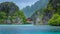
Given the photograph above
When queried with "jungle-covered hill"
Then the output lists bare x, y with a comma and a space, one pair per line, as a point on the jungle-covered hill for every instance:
52, 12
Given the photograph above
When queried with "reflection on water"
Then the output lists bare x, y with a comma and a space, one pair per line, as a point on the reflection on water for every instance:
29, 29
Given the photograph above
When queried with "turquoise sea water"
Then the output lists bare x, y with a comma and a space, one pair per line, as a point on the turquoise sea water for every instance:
29, 29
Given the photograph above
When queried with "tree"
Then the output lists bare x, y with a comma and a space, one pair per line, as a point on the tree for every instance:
55, 20
9, 11
8, 7
21, 15
58, 8
2, 17
50, 7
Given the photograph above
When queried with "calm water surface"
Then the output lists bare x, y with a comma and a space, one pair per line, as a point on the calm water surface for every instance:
29, 29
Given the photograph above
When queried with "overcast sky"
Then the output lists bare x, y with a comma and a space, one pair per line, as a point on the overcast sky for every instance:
21, 3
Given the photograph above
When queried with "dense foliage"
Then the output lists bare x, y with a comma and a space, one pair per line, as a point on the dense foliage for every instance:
8, 7
9, 12
21, 15
55, 20
52, 12
2, 17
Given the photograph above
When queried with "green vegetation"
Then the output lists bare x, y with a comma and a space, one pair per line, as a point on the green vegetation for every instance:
21, 15
52, 12
55, 20
10, 13
50, 7
9, 8
2, 17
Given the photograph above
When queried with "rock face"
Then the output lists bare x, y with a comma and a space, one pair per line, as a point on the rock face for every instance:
50, 10
35, 17
48, 14
31, 9
8, 7
32, 13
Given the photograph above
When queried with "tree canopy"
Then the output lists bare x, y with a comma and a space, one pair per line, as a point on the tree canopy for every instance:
8, 7
9, 11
